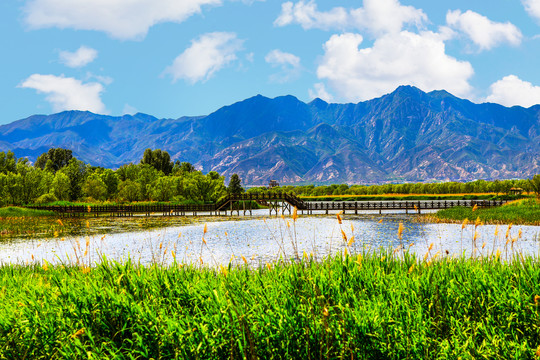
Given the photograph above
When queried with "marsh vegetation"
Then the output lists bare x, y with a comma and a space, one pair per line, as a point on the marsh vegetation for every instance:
370, 305
525, 211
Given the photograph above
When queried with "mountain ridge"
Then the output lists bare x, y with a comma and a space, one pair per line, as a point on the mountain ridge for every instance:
407, 135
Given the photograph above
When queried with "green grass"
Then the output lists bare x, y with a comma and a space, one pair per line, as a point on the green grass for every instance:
13, 211
36, 227
526, 211
379, 307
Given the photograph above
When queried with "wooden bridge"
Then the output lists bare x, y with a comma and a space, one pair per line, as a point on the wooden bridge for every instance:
276, 203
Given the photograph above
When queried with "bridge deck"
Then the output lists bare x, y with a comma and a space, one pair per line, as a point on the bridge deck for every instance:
274, 201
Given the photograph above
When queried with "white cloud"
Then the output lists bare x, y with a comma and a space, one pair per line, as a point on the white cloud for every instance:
307, 15
66, 93
250, 2
532, 7
82, 57
377, 16
289, 64
320, 92
122, 19
404, 58
382, 16
511, 90
482, 31
105, 80
206, 55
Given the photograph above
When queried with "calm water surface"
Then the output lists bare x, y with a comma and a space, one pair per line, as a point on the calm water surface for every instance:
261, 239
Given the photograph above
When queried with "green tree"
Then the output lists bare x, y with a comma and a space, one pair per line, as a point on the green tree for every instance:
128, 172
45, 183
54, 159
160, 160
94, 187
183, 168
235, 186
146, 176
535, 184
204, 188
111, 180
129, 190
11, 188
61, 186
163, 189
76, 172
8, 162
30, 181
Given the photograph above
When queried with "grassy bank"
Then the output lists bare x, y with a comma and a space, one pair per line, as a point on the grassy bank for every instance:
525, 211
370, 307
16, 221
36, 227
13, 211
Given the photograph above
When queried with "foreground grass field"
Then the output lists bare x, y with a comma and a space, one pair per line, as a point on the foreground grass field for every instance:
525, 211
375, 306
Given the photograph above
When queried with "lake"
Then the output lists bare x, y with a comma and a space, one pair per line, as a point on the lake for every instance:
262, 239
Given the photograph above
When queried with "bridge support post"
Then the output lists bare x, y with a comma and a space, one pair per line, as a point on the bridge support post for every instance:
274, 206
285, 207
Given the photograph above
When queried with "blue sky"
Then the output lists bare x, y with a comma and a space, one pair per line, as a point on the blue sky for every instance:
170, 58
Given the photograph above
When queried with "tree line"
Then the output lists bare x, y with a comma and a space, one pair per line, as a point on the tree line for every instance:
477, 186
58, 176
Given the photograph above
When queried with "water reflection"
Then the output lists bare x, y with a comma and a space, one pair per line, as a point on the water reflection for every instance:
262, 240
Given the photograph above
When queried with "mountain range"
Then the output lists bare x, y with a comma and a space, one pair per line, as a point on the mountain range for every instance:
407, 135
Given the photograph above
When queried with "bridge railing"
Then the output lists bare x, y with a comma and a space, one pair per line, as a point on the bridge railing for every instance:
274, 196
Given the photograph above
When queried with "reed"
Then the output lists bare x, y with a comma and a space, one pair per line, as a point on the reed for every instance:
371, 305
375, 304
525, 211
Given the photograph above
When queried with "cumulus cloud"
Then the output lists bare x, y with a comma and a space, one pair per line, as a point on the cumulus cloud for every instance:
65, 93
289, 64
122, 19
511, 90
206, 55
482, 31
382, 16
404, 58
532, 7
376, 16
82, 57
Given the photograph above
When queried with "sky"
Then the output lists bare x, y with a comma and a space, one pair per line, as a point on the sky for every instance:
173, 58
